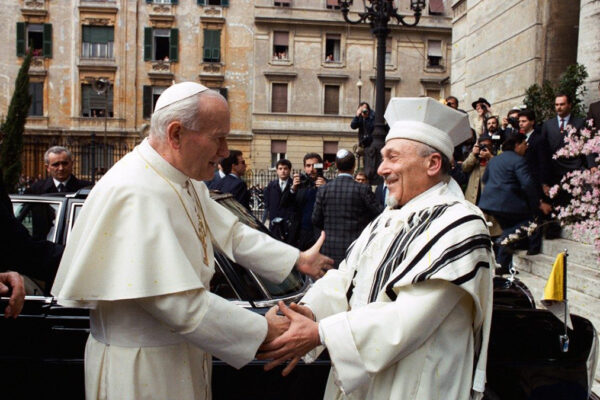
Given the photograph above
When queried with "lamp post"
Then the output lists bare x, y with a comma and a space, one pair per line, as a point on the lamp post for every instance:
378, 14
101, 86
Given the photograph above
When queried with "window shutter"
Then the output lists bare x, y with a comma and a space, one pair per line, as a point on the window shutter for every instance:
174, 44
86, 34
174, 2
436, 7
225, 3
332, 99
148, 1
20, 39
330, 147
279, 97
85, 100
332, 3
200, 2
147, 109
47, 41
278, 146
110, 34
280, 38
207, 44
147, 44
434, 48
216, 50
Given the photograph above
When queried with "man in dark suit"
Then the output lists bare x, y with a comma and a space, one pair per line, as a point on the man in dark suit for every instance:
594, 111
343, 209
234, 167
280, 217
381, 192
59, 164
554, 131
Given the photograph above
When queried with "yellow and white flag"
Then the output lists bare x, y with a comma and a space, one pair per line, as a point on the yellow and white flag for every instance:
554, 295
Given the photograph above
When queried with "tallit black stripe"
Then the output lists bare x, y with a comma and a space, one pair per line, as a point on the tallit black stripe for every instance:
470, 275
389, 288
458, 251
397, 250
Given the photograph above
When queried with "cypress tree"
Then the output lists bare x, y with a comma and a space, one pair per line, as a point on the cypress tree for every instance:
13, 127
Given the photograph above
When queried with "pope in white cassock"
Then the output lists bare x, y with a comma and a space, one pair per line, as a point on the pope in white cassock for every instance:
141, 258
407, 314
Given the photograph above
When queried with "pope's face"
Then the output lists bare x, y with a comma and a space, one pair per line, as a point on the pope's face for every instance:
200, 151
403, 169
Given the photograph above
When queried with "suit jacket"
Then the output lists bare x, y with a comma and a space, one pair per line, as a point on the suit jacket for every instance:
508, 186
380, 195
216, 178
343, 209
555, 140
594, 113
237, 187
302, 202
47, 186
539, 157
273, 194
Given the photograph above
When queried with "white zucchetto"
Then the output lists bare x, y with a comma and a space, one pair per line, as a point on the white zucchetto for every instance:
177, 92
425, 120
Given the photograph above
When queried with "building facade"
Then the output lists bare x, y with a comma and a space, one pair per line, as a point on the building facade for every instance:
289, 70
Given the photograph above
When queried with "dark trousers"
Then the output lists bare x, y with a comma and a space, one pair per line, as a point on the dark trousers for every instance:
509, 224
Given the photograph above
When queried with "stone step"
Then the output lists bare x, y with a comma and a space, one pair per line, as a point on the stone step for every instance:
579, 277
579, 303
580, 253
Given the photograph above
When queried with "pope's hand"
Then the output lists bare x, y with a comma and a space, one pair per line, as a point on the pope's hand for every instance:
313, 263
12, 282
277, 324
301, 337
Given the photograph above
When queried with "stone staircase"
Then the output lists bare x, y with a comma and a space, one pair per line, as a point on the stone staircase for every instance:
583, 278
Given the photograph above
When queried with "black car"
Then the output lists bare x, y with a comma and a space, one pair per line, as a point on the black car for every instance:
43, 348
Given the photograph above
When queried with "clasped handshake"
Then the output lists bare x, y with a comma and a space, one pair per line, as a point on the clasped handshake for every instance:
289, 337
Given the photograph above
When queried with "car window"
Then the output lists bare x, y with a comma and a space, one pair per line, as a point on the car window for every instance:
39, 218
75, 211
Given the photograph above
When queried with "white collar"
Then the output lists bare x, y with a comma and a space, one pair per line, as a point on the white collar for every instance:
150, 155
57, 182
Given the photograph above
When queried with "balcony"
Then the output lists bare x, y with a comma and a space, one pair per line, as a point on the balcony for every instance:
161, 15
34, 8
161, 71
38, 66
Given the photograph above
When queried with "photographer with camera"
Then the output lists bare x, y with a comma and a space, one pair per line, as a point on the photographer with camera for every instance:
475, 165
302, 196
484, 111
364, 121
510, 124
492, 128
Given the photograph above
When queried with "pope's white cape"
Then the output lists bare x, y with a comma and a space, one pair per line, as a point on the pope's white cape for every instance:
134, 258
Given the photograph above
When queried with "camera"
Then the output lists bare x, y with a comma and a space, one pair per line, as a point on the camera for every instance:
483, 147
319, 168
514, 122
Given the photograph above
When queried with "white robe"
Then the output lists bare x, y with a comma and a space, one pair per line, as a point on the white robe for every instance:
135, 260
419, 330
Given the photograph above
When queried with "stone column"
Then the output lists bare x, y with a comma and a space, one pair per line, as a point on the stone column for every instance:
588, 50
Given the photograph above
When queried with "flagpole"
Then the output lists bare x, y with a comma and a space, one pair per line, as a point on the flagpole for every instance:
565, 338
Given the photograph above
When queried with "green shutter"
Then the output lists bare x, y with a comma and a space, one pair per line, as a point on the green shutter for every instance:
110, 34
173, 44
174, 2
147, 111
207, 44
225, 3
216, 51
20, 39
147, 44
148, 1
87, 34
201, 2
47, 47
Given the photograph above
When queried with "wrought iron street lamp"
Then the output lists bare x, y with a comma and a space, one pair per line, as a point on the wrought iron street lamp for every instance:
378, 14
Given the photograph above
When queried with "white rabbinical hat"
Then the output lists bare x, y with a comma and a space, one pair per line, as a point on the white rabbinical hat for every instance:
425, 120
177, 92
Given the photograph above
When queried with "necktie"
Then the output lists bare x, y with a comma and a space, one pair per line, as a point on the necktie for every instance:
562, 124
282, 184
60, 188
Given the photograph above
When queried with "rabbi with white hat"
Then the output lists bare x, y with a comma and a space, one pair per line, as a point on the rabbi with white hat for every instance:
407, 314
140, 257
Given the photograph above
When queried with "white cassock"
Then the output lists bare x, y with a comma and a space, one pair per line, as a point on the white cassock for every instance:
135, 260
416, 325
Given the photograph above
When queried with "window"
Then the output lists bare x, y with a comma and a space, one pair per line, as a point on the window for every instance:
36, 90
332, 48
34, 37
278, 151
223, 3
388, 96
98, 42
104, 158
330, 149
388, 51
93, 104
436, 7
433, 93
151, 95
332, 99
434, 53
279, 97
161, 1
333, 4
280, 45
212, 45
282, 3
161, 44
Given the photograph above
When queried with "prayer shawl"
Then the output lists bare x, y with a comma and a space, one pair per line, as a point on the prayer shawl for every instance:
419, 284
134, 258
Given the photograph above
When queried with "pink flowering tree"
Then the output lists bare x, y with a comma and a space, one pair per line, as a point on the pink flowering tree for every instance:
582, 212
